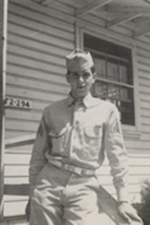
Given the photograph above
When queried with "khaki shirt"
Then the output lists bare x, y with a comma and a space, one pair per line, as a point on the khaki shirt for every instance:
79, 133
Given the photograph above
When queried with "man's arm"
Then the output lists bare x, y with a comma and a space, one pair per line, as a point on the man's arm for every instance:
117, 154
118, 161
38, 159
41, 145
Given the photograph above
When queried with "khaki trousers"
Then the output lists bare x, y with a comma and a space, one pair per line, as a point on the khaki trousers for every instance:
61, 197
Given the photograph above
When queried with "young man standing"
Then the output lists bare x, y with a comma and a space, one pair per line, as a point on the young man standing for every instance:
72, 138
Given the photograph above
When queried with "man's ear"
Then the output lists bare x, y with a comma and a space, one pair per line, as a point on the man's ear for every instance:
68, 77
94, 76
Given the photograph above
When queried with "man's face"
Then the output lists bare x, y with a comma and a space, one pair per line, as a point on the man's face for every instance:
81, 82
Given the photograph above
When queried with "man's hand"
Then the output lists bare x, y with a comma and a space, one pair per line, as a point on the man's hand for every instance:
27, 210
128, 213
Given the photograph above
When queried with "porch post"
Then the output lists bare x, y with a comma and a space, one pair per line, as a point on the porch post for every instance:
3, 35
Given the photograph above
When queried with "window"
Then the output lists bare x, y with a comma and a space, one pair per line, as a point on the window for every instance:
114, 75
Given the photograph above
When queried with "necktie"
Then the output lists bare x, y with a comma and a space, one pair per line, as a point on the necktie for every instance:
79, 105
79, 119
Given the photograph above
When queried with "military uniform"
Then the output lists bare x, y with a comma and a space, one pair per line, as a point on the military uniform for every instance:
69, 147
71, 142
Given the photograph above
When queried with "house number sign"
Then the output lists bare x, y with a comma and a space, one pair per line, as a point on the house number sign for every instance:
18, 103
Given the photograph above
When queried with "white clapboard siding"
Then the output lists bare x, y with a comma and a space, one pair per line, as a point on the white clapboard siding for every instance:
144, 95
143, 66
37, 44
14, 134
34, 64
39, 56
143, 57
146, 136
143, 52
142, 60
16, 172
35, 74
15, 208
22, 23
12, 114
145, 107
37, 36
139, 167
30, 94
145, 88
145, 84
24, 42
18, 125
137, 145
25, 14
62, 13
34, 84
16, 164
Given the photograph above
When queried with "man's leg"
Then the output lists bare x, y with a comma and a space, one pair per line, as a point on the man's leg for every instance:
82, 202
47, 198
42, 214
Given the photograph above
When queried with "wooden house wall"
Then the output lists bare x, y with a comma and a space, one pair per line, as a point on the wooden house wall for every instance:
37, 43
38, 39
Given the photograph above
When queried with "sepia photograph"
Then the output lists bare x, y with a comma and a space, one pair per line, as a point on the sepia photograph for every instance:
74, 112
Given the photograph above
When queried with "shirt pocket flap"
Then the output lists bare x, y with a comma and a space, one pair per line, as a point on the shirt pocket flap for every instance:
94, 131
57, 132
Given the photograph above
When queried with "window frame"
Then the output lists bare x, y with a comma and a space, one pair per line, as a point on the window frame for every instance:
129, 131
116, 61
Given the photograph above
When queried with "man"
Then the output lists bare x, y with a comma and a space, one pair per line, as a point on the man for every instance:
71, 140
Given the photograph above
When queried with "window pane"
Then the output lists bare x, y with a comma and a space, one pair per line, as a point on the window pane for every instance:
112, 71
100, 65
123, 74
127, 113
113, 91
100, 89
124, 93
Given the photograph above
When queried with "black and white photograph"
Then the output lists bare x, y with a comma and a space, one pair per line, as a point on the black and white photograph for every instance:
74, 112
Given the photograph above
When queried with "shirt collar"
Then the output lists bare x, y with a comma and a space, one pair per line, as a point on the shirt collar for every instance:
88, 100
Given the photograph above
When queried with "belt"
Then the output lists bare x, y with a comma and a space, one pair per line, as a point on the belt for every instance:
73, 169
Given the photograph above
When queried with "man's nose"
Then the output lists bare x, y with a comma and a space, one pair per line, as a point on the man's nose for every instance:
81, 80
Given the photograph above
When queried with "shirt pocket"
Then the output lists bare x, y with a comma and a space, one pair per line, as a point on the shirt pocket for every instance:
94, 131
58, 137
93, 139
